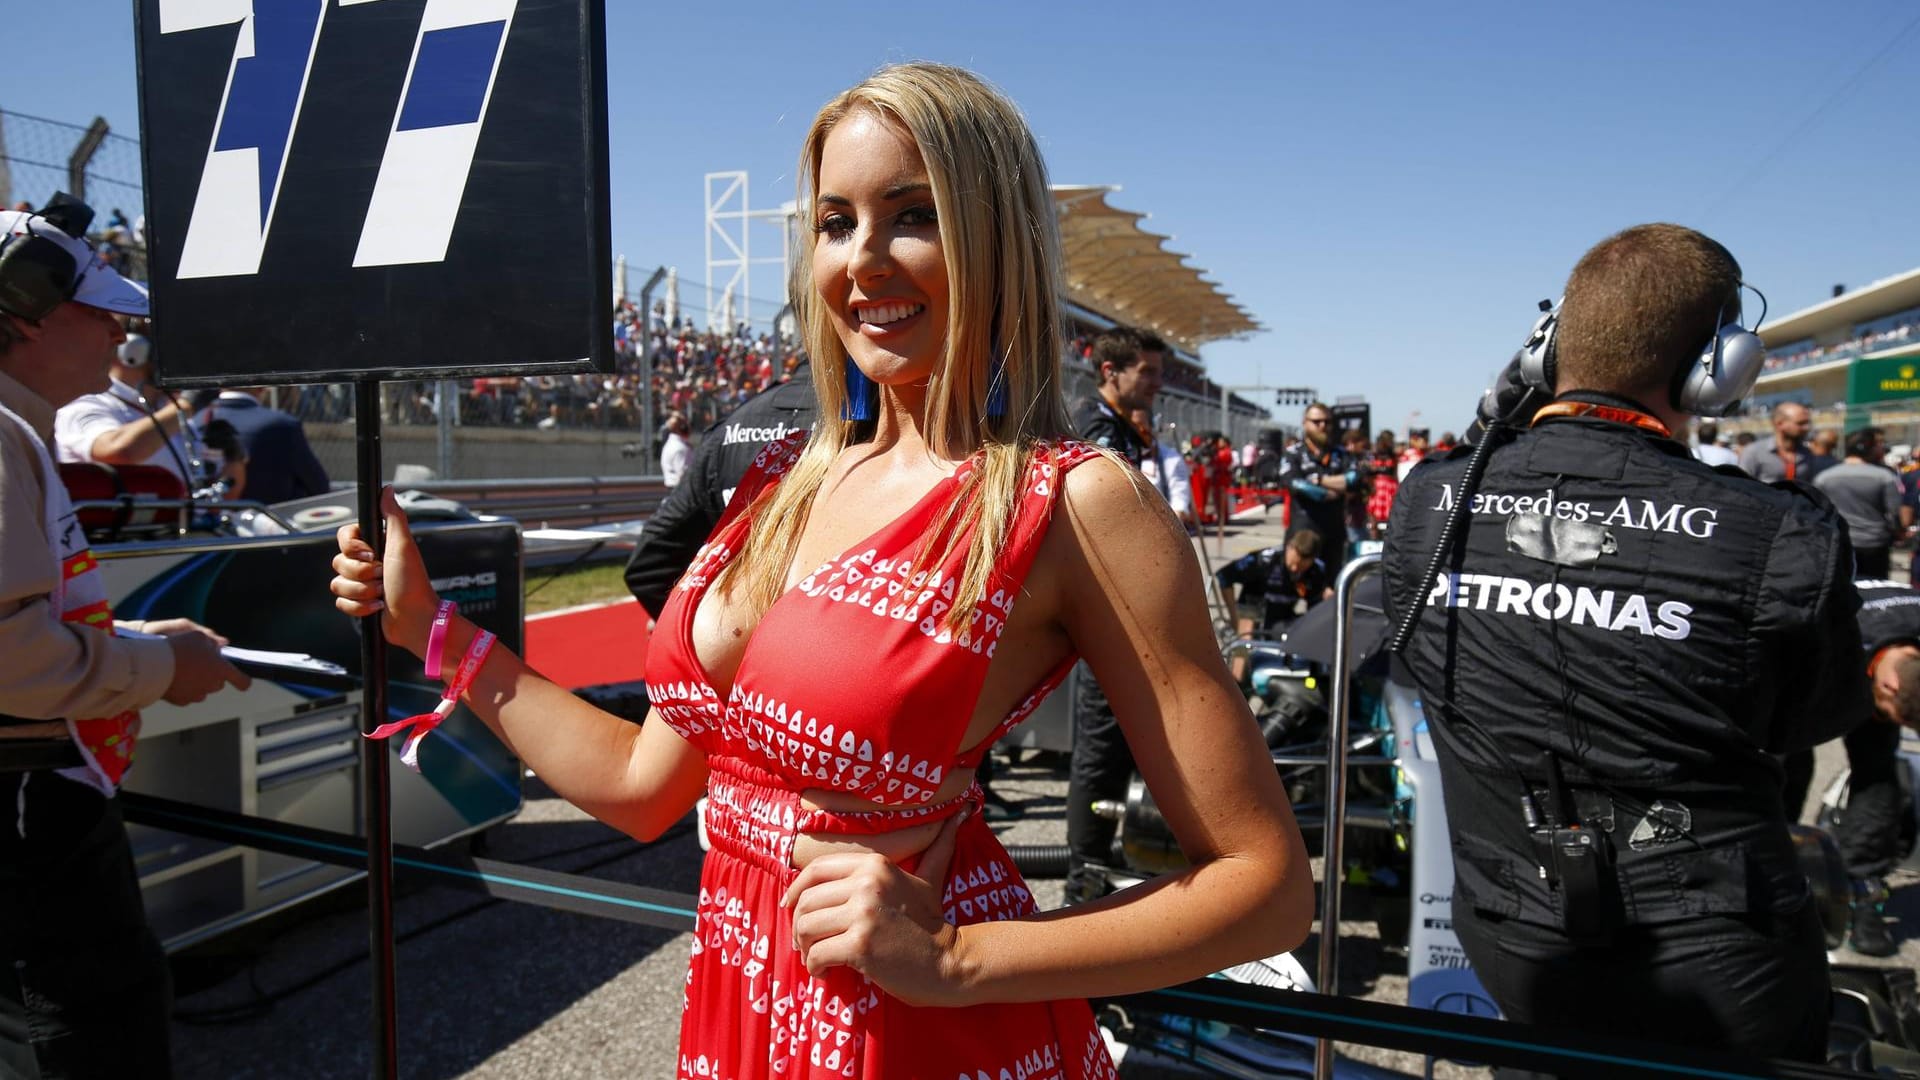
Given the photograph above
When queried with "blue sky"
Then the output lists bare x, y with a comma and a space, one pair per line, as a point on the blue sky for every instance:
1388, 187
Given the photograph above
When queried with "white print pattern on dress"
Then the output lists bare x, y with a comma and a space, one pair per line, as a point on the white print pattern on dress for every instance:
986, 893
892, 588
819, 750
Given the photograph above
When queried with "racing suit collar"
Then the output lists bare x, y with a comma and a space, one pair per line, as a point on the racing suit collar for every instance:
1601, 397
1593, 447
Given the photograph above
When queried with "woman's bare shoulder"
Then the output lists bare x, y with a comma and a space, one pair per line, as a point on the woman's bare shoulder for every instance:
1104, 496
1109, 521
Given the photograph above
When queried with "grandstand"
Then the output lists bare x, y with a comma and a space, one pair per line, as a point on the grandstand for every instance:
1117, 272
1853, 359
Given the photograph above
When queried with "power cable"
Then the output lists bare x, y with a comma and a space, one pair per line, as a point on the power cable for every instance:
1833, 99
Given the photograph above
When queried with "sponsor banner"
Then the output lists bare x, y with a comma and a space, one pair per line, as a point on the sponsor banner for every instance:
1884, 378
1351, 416
375, 188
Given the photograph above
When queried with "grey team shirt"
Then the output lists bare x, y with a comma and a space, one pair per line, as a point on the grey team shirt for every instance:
1868, 496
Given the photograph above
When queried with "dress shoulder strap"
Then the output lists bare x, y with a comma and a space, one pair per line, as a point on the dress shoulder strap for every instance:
1046, 475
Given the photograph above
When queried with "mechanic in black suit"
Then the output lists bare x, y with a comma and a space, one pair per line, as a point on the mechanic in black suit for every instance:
681, 524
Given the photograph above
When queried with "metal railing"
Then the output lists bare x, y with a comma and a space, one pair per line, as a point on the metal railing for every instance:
1332, 854
560, 502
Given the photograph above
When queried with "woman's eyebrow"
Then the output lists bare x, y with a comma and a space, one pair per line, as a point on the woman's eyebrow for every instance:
897, 191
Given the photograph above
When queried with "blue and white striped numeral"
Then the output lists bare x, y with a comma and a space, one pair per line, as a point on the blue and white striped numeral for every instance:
266, 83
423, 174
429, 152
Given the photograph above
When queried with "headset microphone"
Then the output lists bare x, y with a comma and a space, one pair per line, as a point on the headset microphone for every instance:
1538, 358
136, 350
1714, 384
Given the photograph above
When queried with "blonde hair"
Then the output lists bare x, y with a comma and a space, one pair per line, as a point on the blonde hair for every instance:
1002, 248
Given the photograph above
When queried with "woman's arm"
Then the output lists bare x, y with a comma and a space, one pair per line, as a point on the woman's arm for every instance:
1130, 597
639, 779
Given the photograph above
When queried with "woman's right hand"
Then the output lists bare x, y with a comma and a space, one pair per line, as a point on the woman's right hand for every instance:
399, 586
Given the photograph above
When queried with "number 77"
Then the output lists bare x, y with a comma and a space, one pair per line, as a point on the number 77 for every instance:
430, 146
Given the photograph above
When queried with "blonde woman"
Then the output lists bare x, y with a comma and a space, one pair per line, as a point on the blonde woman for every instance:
881, 601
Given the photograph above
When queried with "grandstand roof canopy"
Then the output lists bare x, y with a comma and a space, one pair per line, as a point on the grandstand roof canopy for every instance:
1841, 313
1115, 267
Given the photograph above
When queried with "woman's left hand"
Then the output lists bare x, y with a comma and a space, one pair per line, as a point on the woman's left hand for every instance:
862, 911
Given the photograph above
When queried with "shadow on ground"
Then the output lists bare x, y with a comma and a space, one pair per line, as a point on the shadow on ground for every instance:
474, 975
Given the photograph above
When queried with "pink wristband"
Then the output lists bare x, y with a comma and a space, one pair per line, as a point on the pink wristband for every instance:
470, 665
437, 637
419, 727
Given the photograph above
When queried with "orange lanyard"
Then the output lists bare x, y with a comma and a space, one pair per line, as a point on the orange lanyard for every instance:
1630, 417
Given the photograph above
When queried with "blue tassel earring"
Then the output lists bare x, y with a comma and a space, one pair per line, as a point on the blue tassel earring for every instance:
996, 384
860, 394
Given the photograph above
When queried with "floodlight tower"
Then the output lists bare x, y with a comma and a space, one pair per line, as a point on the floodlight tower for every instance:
730, 219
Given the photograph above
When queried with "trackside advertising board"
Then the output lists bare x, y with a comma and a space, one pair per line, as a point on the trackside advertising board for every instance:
375, 188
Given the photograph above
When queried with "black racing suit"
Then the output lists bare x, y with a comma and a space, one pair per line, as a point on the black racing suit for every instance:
1102, 764
1315, 507
684, 519
1657, 631
1271, 591
1869, 831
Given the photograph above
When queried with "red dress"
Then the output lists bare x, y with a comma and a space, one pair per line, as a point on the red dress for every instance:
852, 683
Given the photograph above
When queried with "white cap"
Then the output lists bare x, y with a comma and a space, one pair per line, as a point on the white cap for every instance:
99, 285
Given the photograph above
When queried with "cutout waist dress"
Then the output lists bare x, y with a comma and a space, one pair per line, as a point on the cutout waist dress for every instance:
853, 682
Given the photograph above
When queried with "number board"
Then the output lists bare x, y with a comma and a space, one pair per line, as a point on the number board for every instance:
347, 189
1351, 416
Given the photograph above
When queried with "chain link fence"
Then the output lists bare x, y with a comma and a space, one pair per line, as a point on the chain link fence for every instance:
39, 157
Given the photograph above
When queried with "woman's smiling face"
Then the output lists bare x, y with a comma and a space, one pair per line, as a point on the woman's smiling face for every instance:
877, 262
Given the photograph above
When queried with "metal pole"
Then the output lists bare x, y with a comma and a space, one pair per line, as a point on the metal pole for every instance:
446, 400
6, 164
376, 805
1333, 864
82, 156
646, 369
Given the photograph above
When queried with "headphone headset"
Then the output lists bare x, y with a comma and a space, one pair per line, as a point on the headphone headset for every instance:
136, 350
1712, 385
38, 274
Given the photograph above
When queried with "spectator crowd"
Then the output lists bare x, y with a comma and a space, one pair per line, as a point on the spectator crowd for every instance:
1883, 333
701, 375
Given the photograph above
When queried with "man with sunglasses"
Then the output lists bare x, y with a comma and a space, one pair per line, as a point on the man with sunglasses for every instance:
84, 990
1318, 475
